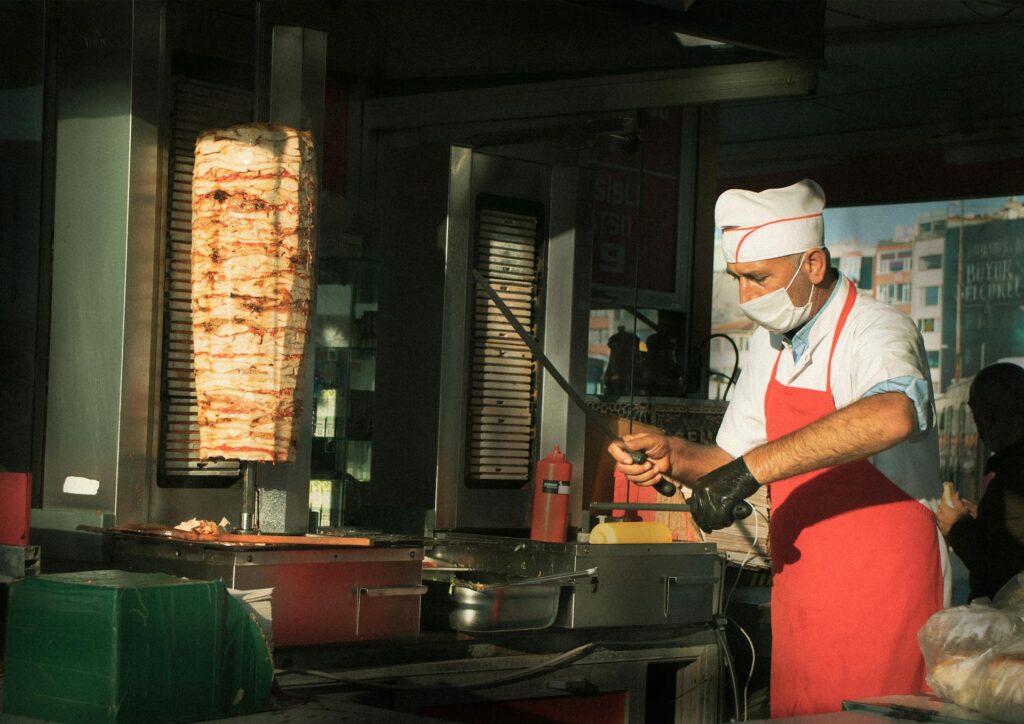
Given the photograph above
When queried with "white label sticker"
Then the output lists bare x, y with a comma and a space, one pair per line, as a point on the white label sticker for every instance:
81, 486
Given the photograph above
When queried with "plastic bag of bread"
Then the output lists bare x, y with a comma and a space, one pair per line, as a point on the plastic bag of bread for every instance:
974, 656
996, 684
964, 632
1011, 595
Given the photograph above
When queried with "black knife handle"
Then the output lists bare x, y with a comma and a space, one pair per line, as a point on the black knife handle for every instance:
742, 510
666, 488
663, 486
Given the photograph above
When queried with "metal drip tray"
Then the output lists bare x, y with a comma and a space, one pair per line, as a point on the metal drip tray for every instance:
637, 584
474, 601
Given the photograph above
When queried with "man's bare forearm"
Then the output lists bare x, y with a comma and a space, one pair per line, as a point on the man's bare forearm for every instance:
864, 428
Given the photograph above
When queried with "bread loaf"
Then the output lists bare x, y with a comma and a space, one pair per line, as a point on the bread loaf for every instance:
948, 490
992, 683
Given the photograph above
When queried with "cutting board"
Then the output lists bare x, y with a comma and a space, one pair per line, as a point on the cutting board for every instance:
255, 539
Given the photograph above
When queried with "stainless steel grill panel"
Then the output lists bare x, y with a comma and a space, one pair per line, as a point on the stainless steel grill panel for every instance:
503, 372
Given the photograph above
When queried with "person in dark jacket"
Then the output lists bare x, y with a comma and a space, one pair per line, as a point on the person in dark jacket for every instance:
989, 537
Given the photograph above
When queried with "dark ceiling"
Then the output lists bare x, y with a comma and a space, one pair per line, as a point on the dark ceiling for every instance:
941, 77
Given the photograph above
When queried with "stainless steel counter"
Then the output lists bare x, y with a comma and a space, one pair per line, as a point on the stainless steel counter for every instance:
635, 584
321, 595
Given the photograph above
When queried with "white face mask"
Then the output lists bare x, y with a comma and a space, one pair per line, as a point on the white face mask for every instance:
775, 311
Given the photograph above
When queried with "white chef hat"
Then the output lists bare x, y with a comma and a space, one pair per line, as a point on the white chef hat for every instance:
771, 223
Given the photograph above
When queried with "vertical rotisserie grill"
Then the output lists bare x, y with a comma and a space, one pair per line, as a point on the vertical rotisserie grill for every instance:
252, 227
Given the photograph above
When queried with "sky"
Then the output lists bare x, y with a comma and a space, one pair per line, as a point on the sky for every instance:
868, 225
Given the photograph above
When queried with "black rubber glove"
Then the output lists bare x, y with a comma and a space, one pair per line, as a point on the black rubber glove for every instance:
718, 497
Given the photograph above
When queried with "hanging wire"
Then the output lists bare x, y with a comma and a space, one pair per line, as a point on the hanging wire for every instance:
636, 284
635, 342
731, 379
997, 16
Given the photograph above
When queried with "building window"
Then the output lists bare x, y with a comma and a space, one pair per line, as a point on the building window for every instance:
926, 325
894, 293
930, 296
932, 228
931, 261
891, 262
933, 358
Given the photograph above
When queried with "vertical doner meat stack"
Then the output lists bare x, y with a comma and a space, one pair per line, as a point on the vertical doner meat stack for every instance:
253, 193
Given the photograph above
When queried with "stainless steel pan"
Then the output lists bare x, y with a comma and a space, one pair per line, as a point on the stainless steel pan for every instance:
518, 604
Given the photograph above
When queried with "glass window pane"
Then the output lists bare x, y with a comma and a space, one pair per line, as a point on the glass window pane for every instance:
653, 337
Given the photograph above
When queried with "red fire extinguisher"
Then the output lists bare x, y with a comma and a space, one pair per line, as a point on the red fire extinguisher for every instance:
551, 498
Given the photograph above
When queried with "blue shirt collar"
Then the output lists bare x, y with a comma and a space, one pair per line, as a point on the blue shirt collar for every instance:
802, 338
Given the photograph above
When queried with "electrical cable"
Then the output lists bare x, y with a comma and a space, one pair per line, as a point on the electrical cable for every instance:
524, 673
607, 643
730, 666
636, 280
634, 350
725, 608
753, 661
1006, 10
750, 554
735, 364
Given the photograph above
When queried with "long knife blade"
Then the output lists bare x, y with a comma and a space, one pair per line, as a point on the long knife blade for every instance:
742, 509
538, 353
534, 346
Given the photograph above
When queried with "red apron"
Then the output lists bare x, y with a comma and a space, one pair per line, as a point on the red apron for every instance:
855, 565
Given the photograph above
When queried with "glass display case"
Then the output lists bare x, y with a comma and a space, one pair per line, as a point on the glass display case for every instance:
344, 353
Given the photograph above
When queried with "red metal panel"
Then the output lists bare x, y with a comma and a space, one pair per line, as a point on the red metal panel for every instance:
15, 508
316, 603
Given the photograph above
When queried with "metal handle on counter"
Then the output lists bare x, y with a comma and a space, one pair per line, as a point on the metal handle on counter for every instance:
678, 507
742, 509
588, 572
382, 592
674, 507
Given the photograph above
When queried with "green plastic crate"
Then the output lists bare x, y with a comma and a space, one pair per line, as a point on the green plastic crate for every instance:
114, 646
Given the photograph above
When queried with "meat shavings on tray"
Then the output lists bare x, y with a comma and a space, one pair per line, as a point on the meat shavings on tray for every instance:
206, 527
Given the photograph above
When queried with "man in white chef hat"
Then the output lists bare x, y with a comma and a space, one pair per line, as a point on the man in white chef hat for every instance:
835, 413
